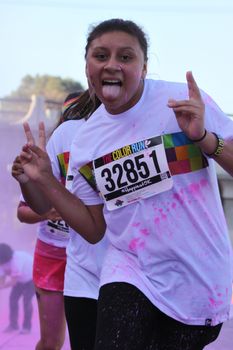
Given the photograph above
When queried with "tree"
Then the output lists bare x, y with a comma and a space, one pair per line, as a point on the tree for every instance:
51, 87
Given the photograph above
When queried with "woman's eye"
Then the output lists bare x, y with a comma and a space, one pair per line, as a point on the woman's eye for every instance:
125, 58
100, 56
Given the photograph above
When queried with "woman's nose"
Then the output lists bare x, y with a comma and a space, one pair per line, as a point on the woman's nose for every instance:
112, 64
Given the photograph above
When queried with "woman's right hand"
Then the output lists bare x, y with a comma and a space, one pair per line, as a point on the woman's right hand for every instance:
17, 168
17, 171
34, 159
53, 215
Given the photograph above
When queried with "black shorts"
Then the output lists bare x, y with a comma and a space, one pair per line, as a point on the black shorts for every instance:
127, 320
81, 316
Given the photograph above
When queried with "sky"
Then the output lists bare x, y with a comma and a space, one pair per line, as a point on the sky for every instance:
49, 36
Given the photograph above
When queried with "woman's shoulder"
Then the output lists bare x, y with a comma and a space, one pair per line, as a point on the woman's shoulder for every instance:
165, 85
163, 90
66, 130
67, 126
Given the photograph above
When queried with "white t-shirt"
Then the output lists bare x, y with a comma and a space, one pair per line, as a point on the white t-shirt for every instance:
56, 232
84, 260
20, 267
53, 232
173, 245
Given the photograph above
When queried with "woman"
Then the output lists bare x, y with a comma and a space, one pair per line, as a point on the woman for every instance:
49, 261
151, 146
83, 263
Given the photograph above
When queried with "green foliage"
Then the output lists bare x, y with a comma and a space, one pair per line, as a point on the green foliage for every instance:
51, 87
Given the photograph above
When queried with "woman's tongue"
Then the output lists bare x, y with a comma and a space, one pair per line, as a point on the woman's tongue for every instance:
111, 91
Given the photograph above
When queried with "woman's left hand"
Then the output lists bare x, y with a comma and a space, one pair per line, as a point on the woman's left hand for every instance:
190, 113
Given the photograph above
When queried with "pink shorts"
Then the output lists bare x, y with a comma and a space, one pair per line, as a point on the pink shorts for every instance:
49, 266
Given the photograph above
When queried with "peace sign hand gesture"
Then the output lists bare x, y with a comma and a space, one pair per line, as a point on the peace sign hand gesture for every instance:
41, 135
190, 113
34, 159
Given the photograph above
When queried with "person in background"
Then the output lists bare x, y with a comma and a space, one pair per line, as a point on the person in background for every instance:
84, 261
68, 104
16, 273
49, 262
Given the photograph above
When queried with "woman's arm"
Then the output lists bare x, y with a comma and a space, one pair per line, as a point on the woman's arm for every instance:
6, 282
190, 115
31, 193
27, 215
225, 159
88, 221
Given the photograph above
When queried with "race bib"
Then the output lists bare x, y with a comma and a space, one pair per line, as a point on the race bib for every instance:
57, 229
133, 172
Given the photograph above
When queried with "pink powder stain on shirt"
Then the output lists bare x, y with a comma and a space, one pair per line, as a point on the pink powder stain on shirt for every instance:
145, 231
194, 189
157, 220
162, 227
204, 183
114, 269
163, 216
120, 268
215, 303
177, 196
136, 224
136, 243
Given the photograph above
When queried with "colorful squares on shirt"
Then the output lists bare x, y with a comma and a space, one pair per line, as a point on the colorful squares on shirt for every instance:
87, 172
171, 154
180, 167
183, 156
63, 160
181, 152
175, 140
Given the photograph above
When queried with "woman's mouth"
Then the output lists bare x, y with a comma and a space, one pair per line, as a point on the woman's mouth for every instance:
111, 88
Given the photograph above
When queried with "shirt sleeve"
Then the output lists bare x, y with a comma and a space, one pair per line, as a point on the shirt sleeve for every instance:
215, 119
52, 153
82, 189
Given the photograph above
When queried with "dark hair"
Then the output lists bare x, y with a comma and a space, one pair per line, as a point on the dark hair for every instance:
6, 253
73, 95
77, 105
121, 25
69, 98
85, 104
80, 107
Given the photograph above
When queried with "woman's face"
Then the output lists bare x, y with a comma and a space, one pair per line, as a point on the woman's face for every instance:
115, 68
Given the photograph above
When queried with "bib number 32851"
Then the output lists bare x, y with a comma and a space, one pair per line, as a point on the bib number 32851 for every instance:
133, 172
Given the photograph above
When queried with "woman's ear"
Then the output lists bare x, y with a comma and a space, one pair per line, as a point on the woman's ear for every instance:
144, 71
86, 71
